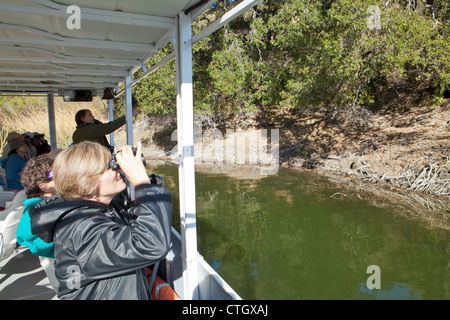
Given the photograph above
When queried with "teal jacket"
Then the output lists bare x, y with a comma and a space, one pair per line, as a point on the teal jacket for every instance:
24, 236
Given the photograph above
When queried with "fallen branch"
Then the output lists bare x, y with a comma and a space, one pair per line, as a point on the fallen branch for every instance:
422, 175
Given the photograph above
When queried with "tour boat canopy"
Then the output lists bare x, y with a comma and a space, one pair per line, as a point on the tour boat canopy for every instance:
49, 47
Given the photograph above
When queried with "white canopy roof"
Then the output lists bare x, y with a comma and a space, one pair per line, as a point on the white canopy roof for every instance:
43, 50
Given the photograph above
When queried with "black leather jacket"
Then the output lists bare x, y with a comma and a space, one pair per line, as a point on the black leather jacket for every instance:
101, 250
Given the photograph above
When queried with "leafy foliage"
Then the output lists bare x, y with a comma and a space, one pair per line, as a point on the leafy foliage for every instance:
301, 53
157, 93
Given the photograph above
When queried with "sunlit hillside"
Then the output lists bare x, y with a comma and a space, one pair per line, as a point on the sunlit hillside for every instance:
22, 114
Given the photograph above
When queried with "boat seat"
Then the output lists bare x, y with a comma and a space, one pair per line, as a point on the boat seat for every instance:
6, 196
8, 230
2, 178
48, 264
15, 202
9, 221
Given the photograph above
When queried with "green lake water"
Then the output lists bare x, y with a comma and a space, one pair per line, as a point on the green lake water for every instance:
291, 236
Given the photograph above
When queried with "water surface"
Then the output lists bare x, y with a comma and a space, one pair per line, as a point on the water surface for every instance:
295, 235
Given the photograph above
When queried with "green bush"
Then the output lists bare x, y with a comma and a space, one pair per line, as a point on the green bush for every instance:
299, 53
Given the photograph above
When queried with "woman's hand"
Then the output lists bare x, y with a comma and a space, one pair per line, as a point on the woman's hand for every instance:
132, 165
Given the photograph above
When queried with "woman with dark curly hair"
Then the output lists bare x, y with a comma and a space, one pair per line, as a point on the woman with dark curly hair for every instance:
37, 177
37, 180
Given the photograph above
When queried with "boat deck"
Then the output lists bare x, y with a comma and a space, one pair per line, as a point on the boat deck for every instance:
23, 278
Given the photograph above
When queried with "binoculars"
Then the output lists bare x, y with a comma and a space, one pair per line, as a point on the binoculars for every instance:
115, 165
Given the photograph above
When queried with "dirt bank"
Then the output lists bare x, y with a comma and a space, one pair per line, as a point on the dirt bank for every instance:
401, 154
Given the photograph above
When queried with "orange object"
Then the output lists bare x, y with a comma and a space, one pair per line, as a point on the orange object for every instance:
161, 290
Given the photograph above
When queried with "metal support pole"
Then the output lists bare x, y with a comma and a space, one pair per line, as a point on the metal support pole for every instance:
129, 121
186, 169
111, 118
51, 120
129, 110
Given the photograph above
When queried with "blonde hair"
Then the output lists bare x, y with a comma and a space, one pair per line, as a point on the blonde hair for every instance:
77, 170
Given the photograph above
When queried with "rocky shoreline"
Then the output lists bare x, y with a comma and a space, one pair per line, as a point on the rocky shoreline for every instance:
403, 156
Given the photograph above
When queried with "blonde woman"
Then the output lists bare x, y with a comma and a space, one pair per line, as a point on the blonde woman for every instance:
101, 250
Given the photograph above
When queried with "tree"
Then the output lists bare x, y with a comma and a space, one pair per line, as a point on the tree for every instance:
299, 53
